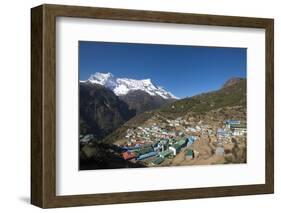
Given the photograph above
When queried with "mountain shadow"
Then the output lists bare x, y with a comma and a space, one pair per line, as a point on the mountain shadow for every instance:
141, 101
101, 111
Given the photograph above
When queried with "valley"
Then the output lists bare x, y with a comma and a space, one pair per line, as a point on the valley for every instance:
133, 125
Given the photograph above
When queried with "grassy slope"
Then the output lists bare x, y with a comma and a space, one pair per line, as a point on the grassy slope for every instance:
234, 95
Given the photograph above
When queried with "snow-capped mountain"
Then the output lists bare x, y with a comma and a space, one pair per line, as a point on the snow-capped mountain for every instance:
122, 86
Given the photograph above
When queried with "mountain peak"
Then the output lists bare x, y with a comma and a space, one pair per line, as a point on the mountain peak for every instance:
104, 79
100, 77
232, 81
147, 81
122, 86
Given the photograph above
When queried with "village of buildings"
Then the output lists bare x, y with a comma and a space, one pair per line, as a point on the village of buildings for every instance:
171, 142
183, 142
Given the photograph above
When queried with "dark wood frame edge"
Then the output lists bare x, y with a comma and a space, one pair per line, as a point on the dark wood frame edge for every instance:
43, 105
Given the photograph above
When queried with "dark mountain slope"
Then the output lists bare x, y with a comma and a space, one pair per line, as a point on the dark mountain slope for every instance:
141, 101
101, 111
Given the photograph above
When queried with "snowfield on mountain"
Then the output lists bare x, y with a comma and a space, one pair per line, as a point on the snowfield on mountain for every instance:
122, 86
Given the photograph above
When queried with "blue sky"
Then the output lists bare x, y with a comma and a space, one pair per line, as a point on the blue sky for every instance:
182, 70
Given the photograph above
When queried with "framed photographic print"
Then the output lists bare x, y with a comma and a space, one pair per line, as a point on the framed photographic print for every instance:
137, 106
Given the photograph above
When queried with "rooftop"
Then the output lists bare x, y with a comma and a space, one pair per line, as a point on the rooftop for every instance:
238, 126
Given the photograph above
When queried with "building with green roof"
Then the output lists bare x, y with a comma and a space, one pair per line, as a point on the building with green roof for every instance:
181, 142
189, 154
165, 153
157, 161
238, 129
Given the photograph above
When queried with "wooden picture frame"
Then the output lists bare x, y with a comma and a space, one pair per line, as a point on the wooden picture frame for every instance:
43, 105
